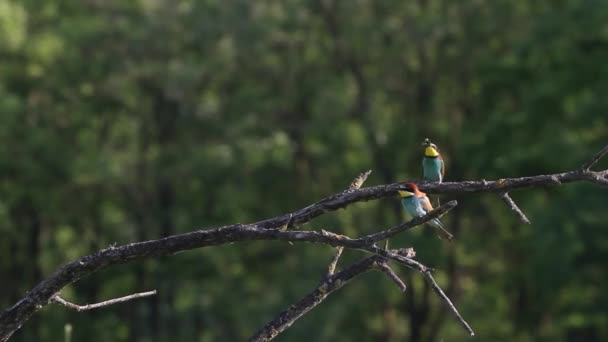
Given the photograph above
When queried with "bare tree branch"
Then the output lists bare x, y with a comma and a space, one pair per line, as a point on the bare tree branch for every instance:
355, 185
288, 224
384, 267
586, 166
508, 184
87, 307
358, 182
332, 283
598, 177
446, 300
13, 318
505, 197
286, 318
331, 268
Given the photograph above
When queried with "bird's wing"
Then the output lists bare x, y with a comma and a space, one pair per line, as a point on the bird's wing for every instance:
420, 211
441, 231
442, 166
426, 204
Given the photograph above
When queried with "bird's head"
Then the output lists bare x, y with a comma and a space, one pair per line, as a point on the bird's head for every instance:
430, 149
410, 189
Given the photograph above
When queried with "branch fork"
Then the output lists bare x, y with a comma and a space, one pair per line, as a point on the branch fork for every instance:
80, 308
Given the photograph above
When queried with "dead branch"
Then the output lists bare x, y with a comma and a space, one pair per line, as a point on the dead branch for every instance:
331, 268
596, 158
429, 277
12, 318
522, 217
87, 307
384, 267
358, 182
332, 283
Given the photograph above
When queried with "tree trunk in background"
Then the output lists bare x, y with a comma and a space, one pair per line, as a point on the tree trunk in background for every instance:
165, 114
136, 197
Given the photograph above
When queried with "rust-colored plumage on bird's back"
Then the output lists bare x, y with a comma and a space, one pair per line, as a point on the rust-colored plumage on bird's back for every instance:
426, 204
415, 189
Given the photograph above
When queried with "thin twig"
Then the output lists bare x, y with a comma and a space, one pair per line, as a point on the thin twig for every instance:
596, 158
80, 308
384, 267
289, 223
358, 182
446, 300
334, 261
505, 197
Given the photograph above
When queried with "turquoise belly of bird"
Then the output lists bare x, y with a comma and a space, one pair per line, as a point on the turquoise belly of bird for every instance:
431, 167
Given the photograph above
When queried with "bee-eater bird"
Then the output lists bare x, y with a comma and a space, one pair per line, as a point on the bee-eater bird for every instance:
417, 204
433, 167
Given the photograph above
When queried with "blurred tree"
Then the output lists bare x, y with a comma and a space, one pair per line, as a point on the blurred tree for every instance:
124, 121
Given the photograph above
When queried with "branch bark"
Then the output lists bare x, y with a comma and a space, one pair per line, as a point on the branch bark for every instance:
331, 268
384, 267
14, 317
508, 184
331, 283
447, 301
87, 307
596, 158
509, 201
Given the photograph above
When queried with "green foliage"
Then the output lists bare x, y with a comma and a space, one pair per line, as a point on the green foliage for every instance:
125, 121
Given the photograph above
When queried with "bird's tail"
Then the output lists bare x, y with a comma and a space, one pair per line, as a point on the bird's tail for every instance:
441, 231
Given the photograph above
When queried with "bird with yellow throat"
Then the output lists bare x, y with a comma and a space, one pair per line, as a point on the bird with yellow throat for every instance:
433, 167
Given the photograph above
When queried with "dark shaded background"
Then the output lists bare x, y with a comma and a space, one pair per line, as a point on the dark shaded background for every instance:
123, 121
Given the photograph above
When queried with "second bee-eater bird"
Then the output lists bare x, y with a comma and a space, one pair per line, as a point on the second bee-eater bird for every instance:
417, 204
433, 167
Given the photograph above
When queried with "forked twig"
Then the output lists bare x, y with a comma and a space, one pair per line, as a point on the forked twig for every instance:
87, 307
